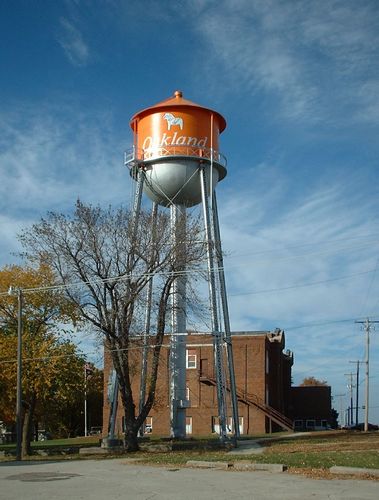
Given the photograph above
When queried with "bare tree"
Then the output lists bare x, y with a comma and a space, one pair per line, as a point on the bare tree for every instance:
107, 265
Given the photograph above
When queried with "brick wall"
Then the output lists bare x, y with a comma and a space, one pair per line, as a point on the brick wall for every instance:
261, 369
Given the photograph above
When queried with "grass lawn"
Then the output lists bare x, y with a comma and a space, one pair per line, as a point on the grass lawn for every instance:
316, 451
313, 451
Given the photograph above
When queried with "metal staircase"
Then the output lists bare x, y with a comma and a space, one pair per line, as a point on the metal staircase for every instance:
257, 402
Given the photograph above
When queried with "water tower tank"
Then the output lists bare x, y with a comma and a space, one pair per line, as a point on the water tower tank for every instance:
171, 140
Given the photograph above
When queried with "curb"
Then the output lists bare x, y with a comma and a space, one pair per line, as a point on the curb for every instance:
261, 467
336, 469
202, 464
236, 466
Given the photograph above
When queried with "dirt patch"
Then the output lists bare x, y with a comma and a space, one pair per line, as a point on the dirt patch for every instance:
326, 474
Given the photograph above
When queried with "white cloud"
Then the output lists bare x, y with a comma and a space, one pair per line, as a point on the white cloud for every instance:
50, 159
73, 44
324, 235
313, 61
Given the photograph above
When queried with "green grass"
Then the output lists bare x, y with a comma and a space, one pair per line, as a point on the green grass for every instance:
314, 451
299, 460
58, 443
322, 460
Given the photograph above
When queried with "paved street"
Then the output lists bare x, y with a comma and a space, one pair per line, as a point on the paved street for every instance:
115, 478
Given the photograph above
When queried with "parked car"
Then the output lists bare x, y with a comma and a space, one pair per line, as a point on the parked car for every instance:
43, 435
361, 427
95, 431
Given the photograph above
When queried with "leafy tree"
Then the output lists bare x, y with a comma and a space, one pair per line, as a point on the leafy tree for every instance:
334, 419
115, 262
64, 416
95, 388
49, 363
313, 381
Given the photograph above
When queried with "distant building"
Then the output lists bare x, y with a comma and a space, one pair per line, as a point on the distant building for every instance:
266, 402
310, 407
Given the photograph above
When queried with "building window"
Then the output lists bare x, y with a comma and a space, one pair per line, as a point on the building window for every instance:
324, 423
191, 359
267, 363
298, 424
310, 424
148, 425
240, 421
188, 425
187, 393
215, 425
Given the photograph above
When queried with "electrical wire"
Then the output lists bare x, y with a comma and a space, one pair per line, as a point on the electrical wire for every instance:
301, 285
181, 273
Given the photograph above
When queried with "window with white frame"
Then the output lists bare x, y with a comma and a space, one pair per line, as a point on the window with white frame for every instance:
191, 359
148, 425
188, 425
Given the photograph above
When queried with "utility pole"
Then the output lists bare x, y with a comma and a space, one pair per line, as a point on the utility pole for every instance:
367, 326
19, 375
85, 401
88, 370
350, 386
356, 392
18, 292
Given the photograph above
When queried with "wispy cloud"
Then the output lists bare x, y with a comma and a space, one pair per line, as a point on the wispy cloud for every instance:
310, 59
48, 159
73, 44
305, 268
318, 238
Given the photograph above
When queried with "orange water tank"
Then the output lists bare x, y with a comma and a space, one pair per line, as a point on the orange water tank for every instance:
172, 139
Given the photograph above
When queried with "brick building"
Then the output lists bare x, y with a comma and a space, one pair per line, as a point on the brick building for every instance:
310, 407
263, 381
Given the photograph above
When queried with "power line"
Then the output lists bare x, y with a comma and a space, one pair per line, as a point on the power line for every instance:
302, 285
370, 286
314, 251
135, 348
180, 273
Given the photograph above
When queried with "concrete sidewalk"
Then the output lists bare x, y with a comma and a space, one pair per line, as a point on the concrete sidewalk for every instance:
117, 478
247, 447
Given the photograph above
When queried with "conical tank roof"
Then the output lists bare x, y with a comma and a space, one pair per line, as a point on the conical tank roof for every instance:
177, 101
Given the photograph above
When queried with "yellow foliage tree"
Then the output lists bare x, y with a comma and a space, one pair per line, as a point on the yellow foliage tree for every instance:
313, 381
50, 364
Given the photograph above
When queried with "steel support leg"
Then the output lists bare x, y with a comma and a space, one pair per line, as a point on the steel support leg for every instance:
134, 227
217, 338
225, 311
145, 350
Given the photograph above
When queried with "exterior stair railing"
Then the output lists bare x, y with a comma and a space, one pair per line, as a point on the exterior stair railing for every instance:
257, 402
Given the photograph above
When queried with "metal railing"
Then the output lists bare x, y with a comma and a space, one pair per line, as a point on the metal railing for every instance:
136, 155
253, 399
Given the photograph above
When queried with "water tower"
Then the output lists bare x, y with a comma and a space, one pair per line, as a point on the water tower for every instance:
176, 161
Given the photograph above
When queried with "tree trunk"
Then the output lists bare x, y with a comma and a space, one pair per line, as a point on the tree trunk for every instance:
130, 438
27, 427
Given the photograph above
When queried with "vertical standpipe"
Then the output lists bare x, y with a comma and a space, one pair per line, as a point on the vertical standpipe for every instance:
176, 146
178, 325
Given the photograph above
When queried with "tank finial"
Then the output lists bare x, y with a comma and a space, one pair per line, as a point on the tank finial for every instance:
178, 93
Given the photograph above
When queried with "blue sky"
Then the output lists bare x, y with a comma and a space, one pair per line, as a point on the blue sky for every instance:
298, 83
